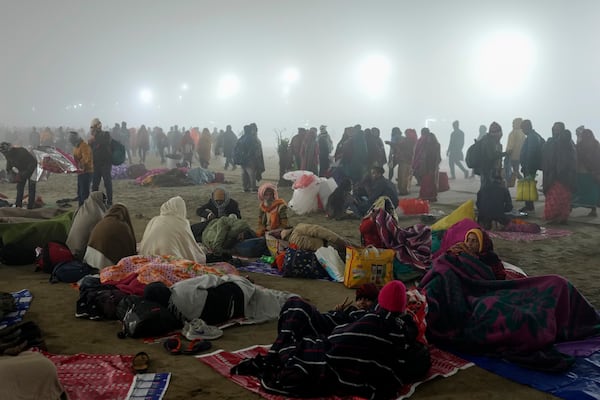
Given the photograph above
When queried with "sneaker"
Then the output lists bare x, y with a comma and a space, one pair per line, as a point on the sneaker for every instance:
197, 329
82, 310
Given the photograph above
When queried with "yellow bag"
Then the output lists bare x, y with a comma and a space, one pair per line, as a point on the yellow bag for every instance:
275, 245
368, 265
527, 190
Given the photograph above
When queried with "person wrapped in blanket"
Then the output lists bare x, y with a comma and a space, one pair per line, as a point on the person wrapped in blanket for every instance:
111, 239
170, 233
473, 309
371, 356
478, 244
493, 202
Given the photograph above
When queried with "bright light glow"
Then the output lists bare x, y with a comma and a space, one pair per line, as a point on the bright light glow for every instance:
146, 96
228, 86
184, 86
373, 74
290, 75
504, 62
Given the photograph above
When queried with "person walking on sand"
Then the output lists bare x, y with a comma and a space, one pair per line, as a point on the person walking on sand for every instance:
455, 151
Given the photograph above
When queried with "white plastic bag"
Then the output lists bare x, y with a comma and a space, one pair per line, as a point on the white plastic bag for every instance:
332, 262
306, 189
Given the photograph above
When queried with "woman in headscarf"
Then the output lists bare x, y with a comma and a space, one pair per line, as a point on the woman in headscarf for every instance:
588, 172
170, 233
111, 239
471, 308
86, 217
272, 210
559, 163
426, 164
478, 244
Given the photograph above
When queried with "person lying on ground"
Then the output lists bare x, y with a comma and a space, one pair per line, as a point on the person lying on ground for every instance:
371, 357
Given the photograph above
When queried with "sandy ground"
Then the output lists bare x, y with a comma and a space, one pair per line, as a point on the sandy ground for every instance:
575, 257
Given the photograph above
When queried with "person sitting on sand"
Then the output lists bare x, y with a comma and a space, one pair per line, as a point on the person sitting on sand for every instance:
341, 203
170, 233
85, 219
111, 239
219, 205
371, 357
471, 309
272, 210
493, 202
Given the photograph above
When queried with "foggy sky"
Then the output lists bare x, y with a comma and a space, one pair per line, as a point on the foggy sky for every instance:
61, 53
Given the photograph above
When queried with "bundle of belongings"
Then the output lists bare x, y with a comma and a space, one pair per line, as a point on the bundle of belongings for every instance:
19, 337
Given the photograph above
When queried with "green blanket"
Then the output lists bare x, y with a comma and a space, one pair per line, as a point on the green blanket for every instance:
31, 234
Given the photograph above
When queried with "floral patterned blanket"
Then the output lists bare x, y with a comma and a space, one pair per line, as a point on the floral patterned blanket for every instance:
164, 268
470, 310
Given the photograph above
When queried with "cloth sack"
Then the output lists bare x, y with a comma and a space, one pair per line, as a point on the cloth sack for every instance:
332, 262
526, 190
299, 263
368, 265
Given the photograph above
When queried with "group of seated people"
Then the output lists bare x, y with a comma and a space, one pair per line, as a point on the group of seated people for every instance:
102, 236
474, 303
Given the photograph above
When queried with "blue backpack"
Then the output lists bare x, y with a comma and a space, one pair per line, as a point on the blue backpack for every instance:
71, 271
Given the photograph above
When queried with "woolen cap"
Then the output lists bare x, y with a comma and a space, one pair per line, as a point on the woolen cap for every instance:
392, 297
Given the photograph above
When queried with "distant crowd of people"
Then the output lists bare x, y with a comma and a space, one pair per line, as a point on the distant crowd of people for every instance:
571, 171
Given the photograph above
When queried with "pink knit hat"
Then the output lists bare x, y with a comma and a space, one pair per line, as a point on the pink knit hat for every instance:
392, 297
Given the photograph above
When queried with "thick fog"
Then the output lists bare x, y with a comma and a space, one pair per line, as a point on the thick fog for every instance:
284, 64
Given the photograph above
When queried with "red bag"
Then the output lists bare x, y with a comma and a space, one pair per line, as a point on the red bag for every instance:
414, 206
443, 184
52, 254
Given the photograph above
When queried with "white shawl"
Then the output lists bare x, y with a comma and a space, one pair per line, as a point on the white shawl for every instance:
170, 233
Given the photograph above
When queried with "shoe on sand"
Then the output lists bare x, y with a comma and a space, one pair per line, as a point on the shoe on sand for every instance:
198, 329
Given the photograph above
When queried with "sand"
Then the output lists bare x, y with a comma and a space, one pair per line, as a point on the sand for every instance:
53, 306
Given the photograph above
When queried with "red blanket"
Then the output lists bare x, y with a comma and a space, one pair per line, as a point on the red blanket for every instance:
443, 364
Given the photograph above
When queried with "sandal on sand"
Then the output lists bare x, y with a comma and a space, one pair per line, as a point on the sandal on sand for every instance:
173, 345
196, 346
140, 362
